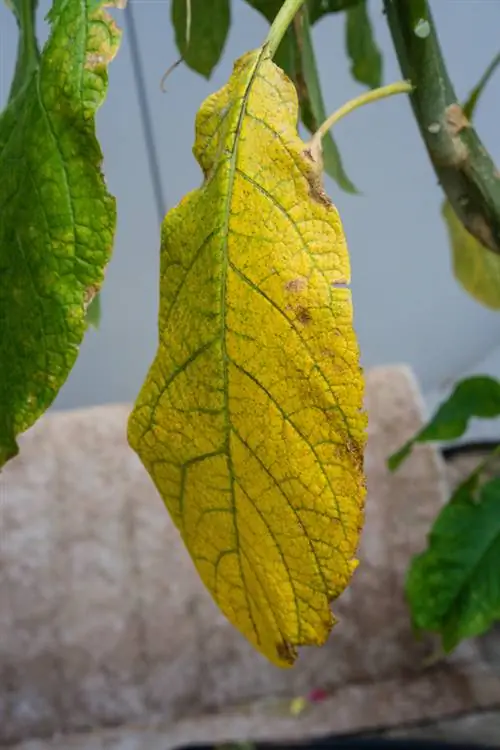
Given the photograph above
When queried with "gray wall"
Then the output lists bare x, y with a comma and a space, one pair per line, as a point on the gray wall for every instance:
407, 305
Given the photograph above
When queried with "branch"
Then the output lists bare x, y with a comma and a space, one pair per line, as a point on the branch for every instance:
464, 168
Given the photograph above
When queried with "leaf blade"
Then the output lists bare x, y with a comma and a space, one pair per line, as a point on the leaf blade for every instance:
475, 267
453, 588
362, 49
208, 30
478, 396
58, 219
243, 453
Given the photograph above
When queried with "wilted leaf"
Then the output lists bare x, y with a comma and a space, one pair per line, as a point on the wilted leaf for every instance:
474, 266
478, 396
201, 42
366, 60
312, 105
58, 220
453, 588
250, 421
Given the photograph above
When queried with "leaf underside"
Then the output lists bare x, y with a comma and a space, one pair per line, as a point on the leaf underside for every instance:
58, 219
250, 419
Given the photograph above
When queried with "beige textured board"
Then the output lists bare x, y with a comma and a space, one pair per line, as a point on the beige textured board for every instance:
104, 622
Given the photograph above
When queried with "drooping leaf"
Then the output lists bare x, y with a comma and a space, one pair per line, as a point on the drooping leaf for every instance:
453, 588
201, 36
250, 420
296, 57
312, 104
475, 267
57, 218
478, 396
364, 54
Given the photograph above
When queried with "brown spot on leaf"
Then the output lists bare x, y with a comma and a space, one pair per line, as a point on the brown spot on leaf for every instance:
315, 177
296, 285
286, 652
303, 315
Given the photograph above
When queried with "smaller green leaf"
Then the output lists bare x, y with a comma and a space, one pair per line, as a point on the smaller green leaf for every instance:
366, 60
312, 105
93, 315
475, 267
478, 396
453, 588
471, 103
201, 34
320, 8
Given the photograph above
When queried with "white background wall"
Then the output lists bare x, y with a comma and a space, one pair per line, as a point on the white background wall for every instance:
408, 307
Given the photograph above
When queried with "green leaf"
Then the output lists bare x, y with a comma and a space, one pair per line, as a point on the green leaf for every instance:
27, 52
478, 396
58, 220
471, 103
94, 312
366, 60
201, 35
320, 8
453, 588
312, 104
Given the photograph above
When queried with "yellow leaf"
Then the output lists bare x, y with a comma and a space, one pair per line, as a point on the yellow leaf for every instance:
475, 267
250, 419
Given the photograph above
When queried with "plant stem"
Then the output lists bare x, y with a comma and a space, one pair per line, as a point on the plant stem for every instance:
463, 166
28, 53
401, 87
283, 19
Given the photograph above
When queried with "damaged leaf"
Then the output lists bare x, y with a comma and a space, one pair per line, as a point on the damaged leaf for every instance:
58, 219
249, 421
475, 266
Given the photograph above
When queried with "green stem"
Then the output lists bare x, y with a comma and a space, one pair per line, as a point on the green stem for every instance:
28, 53
463, 166
283, 19
401, 87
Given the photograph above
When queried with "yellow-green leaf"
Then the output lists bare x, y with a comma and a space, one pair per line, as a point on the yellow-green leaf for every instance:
474, 266
250, 419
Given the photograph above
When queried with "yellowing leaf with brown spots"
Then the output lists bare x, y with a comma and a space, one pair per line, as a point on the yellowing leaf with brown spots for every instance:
476, 267
250, 420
